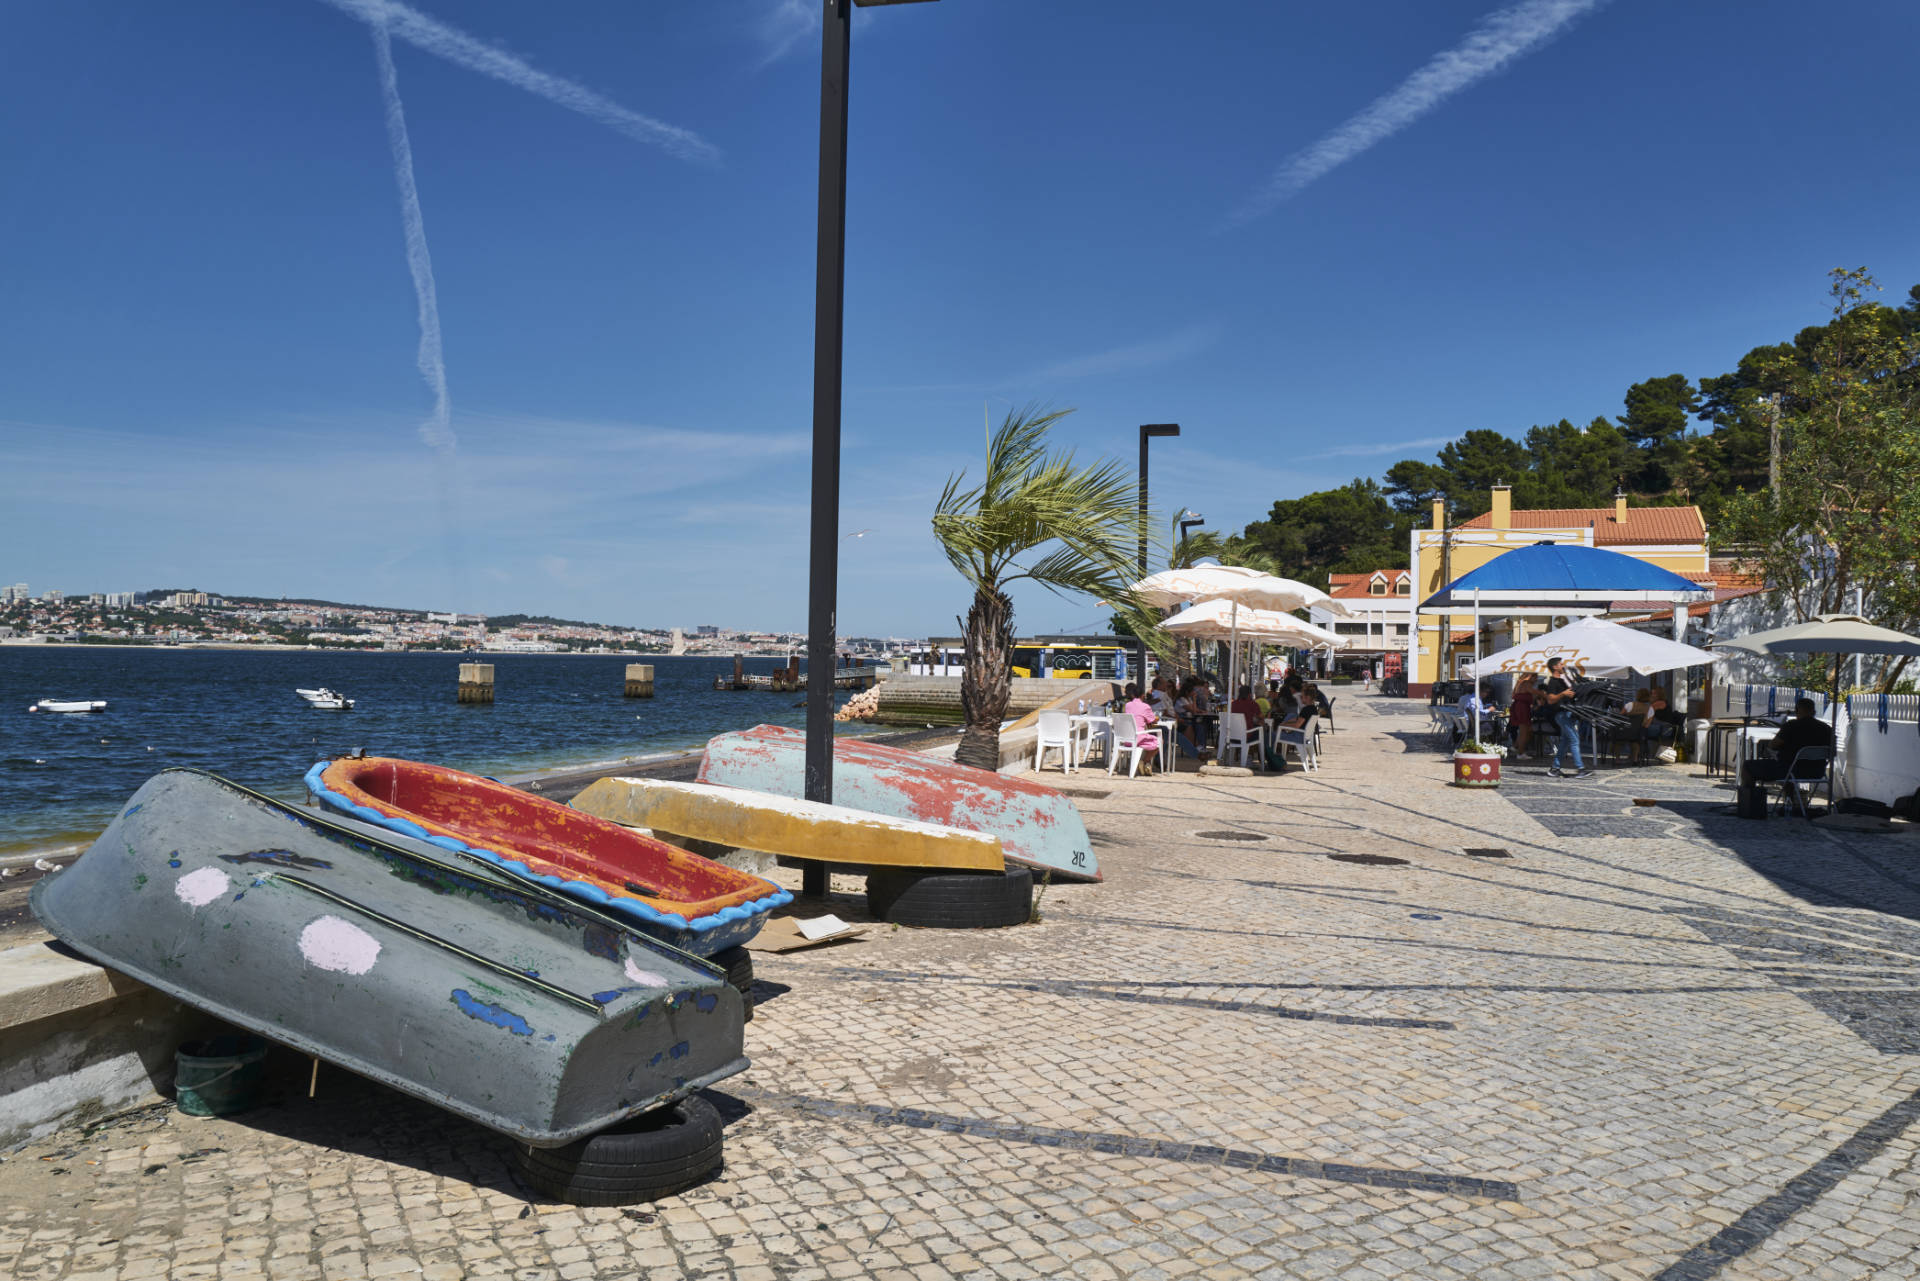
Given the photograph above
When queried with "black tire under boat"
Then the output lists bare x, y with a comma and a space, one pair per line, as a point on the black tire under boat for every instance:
951, 900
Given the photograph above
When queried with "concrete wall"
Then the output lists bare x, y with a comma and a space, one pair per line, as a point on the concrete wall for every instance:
78, 1042
935, 700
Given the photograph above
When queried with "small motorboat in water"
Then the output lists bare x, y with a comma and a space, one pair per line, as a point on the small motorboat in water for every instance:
1038, 827
681, 898
325, 699
70, 705
432, 971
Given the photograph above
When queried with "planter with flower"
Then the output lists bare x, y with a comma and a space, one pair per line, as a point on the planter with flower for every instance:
1477, 764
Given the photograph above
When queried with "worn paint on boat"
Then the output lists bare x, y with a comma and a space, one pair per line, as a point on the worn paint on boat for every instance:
1038, 827
782, 825
686, 900
434, 972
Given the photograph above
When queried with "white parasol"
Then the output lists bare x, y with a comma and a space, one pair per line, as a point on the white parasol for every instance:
1249, 587
1596, 649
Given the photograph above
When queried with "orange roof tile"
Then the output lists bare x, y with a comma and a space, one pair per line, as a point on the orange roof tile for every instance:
1643, 524
1352, 585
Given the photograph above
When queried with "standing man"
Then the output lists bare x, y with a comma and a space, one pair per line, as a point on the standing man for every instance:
1557, 696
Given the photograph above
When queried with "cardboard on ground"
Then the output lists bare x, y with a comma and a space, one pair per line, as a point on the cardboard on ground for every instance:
789, 934
790, 828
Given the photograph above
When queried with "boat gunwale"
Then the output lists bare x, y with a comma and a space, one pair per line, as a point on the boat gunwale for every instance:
524, 883
574, 890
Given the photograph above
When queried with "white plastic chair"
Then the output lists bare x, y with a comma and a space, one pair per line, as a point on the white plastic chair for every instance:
1056, 734
1245, 740
1301, 740
1128, 740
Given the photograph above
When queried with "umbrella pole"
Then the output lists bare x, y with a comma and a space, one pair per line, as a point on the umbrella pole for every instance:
1233, 655
1476, 664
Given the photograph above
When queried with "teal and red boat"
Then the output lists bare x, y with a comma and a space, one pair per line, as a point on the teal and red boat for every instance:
691, 902
1038, 827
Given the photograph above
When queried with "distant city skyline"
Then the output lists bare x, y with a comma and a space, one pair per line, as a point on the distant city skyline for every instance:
21, 593
465, 305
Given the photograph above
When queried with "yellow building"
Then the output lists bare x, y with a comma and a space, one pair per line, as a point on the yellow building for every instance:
1673, 538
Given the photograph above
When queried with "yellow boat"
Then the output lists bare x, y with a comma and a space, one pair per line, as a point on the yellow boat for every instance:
784, 826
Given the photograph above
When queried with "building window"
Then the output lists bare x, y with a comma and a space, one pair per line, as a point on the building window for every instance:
1378, 587
1404, 586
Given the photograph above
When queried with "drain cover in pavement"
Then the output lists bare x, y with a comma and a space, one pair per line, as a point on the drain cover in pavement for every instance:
1372, 860
1232, 836
1486, 853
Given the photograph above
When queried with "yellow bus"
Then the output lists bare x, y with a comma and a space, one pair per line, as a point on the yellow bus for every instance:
1070, 661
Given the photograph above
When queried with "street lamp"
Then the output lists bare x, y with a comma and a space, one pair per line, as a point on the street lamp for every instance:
1147, 432
1189, 519
829, 305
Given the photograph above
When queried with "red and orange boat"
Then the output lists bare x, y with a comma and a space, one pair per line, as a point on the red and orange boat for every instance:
691, 902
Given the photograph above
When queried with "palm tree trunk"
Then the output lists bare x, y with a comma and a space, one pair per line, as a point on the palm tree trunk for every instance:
985, 685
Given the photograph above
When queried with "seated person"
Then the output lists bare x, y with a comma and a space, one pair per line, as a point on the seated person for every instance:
1804, 730
1186, 727
1475, 705
1639, 714
1162, 696
1145, 718
1245, 706
1663, 722
1268, 699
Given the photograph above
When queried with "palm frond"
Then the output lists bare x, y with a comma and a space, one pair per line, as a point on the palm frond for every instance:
1031, 497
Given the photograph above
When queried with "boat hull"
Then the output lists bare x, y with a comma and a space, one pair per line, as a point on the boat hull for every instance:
70, 705
432, 972
678, 897
785, 826
1038, 827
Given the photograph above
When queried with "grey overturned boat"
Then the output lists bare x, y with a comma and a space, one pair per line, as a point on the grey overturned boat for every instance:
443, 976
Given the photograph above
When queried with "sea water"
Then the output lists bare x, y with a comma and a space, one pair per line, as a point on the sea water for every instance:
235, 713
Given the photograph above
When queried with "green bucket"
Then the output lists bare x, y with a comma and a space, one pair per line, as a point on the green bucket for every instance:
219, 1076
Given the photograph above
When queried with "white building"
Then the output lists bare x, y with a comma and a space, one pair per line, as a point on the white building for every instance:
1380, 608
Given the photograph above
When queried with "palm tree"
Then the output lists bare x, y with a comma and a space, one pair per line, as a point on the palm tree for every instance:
1031, 497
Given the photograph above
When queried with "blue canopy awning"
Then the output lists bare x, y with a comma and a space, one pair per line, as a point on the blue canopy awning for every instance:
1561, 578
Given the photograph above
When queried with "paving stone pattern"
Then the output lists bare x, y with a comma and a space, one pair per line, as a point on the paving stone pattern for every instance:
1655, 1041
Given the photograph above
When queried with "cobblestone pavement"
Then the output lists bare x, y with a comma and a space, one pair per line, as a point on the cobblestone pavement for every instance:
1353, 1023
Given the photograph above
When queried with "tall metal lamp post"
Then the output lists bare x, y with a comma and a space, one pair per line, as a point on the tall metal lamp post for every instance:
1147, 432
1189, 519
829, 294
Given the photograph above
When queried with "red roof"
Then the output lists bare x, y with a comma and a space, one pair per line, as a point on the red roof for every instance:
1352, 585
1727, 585
1642, 525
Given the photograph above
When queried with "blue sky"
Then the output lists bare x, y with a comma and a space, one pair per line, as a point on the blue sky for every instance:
1320, 237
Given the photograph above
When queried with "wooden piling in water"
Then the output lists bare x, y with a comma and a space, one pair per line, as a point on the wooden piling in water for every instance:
476, 683
639, 680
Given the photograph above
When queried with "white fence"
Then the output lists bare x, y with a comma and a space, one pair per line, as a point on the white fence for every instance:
1879, 734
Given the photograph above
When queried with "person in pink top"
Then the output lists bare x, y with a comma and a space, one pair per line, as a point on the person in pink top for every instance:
1146, 718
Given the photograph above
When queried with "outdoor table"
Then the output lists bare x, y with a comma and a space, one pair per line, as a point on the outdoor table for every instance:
1723, 732
1087, 727
1751, 737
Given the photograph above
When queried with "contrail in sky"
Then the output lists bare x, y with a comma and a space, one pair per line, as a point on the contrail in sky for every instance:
437, 431
1500, 38
461, 49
